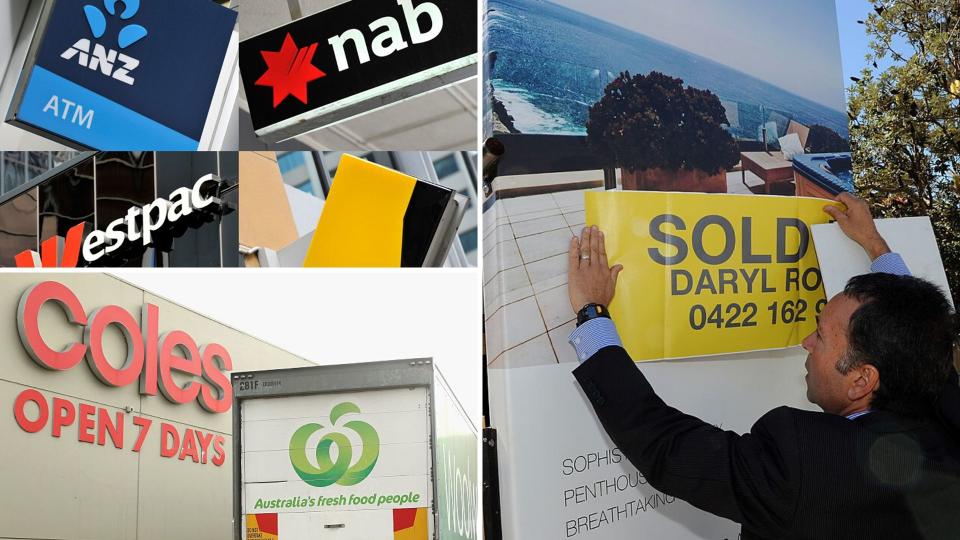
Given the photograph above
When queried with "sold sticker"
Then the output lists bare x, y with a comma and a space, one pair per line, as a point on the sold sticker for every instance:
710, 274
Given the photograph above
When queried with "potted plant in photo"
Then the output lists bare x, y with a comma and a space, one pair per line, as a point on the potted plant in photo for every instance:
664, 136
822, 140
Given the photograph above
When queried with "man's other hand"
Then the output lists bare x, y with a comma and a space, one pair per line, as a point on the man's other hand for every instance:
857, 223
589, 279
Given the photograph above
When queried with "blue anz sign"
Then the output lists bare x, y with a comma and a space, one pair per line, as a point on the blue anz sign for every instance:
125, 74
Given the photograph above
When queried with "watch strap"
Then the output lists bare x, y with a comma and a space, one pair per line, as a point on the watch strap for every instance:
592, 311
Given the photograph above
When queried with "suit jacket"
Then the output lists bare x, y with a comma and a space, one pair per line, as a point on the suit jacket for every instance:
797, 474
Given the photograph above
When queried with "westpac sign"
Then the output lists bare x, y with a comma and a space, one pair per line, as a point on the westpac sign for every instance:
353, 58
140, 224
124, 75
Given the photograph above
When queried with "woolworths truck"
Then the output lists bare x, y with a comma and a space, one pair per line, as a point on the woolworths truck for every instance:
369, 451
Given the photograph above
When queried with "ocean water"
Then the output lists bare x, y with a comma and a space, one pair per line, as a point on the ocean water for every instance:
552, 63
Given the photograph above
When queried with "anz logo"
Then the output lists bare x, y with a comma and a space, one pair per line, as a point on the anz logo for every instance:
95, 56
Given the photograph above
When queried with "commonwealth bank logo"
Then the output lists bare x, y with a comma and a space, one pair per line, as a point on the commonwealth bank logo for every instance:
340, 470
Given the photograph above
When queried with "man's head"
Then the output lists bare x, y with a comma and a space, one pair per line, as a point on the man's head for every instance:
885, 342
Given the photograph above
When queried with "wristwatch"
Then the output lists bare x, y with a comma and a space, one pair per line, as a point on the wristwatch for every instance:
591, 311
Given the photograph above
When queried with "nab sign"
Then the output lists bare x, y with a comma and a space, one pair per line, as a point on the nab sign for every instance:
124, 75
353, 58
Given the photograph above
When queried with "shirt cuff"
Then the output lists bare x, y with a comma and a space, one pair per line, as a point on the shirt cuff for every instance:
594, 335
890, 263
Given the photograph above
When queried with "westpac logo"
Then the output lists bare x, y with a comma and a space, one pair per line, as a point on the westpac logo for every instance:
139, 223
55, 252
108, 61
326, 471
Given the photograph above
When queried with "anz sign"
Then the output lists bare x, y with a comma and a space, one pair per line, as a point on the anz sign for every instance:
125, 74
100, 58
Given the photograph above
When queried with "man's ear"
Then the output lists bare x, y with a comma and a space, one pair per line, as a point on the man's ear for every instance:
866, 381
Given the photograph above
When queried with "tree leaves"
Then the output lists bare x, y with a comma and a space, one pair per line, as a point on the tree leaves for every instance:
905, 128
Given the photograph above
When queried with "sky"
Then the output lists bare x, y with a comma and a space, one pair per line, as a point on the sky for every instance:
339, 317
783, 42
853, 39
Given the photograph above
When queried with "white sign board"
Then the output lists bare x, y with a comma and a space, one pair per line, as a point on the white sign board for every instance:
346, 457
561, 476
841, 258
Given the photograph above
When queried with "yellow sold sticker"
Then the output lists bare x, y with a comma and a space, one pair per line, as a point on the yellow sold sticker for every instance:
710, 274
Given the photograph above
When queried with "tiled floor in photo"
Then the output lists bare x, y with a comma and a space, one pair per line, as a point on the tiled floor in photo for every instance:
525, 278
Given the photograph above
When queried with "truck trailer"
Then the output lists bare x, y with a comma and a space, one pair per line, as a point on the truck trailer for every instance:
368, 451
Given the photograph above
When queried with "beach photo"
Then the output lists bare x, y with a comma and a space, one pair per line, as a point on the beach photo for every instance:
693, 95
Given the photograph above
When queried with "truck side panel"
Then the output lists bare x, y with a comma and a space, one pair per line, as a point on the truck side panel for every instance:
343, 465
456, 452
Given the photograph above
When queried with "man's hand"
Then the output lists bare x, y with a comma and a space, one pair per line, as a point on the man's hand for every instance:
857, 223
589, 279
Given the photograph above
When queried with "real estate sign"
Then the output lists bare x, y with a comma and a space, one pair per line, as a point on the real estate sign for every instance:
710, 274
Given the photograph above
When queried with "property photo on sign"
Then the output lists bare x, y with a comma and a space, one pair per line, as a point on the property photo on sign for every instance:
650, 100
360, 74
756, 107
364, 209
125, 75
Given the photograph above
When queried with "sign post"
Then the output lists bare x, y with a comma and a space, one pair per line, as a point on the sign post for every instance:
126, 76
354, 58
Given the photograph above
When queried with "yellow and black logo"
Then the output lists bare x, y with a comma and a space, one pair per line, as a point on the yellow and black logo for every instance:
378, 217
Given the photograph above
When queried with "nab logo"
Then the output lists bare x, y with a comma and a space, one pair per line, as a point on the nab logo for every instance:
54, 252
99, 58
291, 68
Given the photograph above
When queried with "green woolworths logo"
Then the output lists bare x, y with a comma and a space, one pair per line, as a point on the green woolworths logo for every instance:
328, 472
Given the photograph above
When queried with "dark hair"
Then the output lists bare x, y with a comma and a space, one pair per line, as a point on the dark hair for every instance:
904, 328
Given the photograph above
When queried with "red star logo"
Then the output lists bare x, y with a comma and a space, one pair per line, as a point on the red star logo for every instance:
289, 70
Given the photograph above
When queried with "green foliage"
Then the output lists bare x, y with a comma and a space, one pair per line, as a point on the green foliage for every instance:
905, 128
652, 121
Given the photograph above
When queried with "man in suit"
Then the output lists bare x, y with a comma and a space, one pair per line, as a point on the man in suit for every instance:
881, 461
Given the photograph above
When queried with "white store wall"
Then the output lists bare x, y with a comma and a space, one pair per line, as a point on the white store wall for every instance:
100, 492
